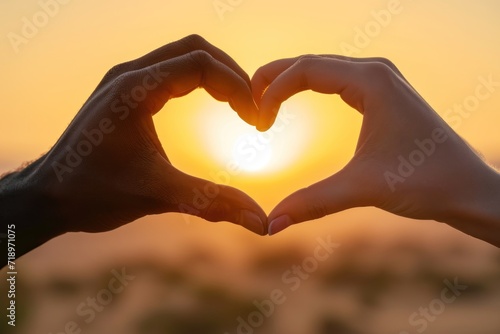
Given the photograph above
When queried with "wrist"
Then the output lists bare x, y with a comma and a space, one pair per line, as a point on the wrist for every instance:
27, 203
478, 214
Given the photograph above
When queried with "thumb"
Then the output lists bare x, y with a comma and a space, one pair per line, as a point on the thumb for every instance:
339, 192
215, 202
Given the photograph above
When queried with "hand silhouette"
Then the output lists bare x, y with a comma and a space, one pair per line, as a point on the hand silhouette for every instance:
109, 168
408, 161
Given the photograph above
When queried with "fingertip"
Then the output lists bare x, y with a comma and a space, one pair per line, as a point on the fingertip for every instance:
262, 128
279, 224
251, 221
248, 112
246, 107
266, 118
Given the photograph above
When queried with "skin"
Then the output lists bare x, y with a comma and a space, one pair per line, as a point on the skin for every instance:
451, 184
129, 175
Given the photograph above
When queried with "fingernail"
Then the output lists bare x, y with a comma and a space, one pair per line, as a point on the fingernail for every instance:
262, 124
260, 120
266, 119
252, 222
279, 224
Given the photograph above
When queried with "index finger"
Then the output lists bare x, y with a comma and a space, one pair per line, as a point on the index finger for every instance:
173, 50
266, 74
291, 76
179, 76
186, 45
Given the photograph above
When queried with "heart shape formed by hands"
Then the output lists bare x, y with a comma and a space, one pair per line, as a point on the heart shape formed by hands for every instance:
130, 175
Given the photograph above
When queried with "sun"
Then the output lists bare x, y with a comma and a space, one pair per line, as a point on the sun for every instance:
252, 153
239, 147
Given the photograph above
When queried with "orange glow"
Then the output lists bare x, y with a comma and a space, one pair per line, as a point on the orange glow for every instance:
194, 275
52, 75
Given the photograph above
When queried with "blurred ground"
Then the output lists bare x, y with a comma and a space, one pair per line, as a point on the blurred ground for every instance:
195, 277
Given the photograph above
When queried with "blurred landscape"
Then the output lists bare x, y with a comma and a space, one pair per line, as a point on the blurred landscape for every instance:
195, 277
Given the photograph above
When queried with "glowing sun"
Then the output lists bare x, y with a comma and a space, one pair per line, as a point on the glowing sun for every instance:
239, 146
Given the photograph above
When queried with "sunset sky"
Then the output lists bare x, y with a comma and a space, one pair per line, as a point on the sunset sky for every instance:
444, 48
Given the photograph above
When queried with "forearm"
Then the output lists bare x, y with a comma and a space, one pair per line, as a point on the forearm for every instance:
28, 209
479, 216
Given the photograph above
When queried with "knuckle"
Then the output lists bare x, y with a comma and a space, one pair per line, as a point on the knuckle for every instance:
215, 211
118, 70
194, 40
306, 60
386, 62
302, 66
315, 208
124, 79
215, 208
122, 83
201, 57
379, 72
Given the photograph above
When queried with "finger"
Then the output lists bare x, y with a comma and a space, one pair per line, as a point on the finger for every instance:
380, 60
320, 74
266, 74
179, 76
173, 50
336, 193
213, 202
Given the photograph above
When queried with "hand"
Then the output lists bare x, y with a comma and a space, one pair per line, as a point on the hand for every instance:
109, 168
408, 161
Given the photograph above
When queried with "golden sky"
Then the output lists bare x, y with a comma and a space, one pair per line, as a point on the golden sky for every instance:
444, 48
